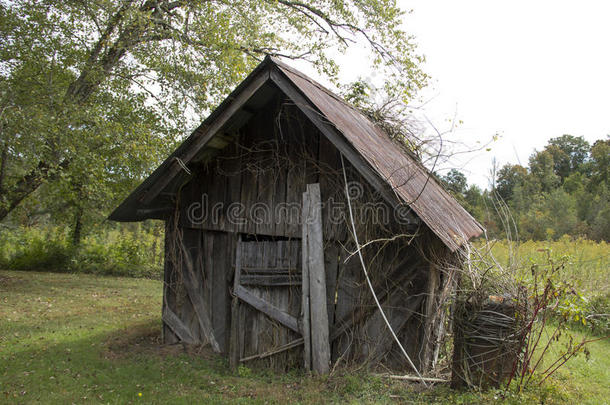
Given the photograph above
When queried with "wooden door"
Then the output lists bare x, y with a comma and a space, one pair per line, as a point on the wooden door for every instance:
267, 303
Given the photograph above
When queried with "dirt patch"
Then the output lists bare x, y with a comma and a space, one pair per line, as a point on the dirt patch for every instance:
6, 281
146, 339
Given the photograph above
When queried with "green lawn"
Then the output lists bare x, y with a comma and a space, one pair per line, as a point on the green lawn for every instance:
67, 338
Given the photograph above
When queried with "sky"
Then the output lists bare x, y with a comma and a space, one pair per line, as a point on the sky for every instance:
525, 70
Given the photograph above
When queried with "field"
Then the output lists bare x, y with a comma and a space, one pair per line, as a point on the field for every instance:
78, 338
588, 262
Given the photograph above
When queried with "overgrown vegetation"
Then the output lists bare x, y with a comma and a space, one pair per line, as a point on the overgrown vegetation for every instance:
68, 338
585, 266
135, 250
517, 316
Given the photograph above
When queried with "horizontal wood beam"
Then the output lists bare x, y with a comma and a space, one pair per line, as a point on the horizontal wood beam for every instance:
270, 280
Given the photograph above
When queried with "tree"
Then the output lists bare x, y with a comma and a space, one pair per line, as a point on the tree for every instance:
509, 177
600, 162
569, 154
91, 90
456, 182
542, 170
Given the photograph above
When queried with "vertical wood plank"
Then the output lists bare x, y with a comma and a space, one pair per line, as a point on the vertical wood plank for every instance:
191, 242
234, 343
348, 297
280, 216
169, 294
230, 167
217, 247
294, 188
193, 285
429, 339
249, 178
330, 164
305, 285
331, 262
320, 346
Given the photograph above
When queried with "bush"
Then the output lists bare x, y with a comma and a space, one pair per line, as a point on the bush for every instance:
114, 252
31, 248
598, 314
119, 253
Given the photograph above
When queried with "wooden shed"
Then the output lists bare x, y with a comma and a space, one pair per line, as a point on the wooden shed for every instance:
277, 209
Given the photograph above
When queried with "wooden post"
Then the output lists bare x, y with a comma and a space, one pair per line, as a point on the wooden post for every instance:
305, 285
320, 346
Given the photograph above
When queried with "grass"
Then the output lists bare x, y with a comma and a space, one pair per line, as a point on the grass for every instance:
589, 261
77, 338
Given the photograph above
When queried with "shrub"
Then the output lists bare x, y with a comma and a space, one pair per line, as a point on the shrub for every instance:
33, 248
111, 252
598, 314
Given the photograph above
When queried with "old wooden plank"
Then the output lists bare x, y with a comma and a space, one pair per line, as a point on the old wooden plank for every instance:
274, 271
234, 341
176, 325
267, 163
191, 242
194, 288
217, 247
188, 315
270, 280
357, 315
277, 350
295, 185
331, 263
268, 309
320, 345
230, 167
429, 340
205, 264
169, 268
216, 197
305, 287
348, 292
280, 215
234, 351
330, 193
249, 179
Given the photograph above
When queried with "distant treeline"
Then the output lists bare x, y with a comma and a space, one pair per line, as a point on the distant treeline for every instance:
564, 190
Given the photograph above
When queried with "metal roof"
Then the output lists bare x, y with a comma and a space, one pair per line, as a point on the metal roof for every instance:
411, 182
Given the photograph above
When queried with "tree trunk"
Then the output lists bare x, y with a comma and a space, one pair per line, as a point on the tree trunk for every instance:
78, 227
28, 184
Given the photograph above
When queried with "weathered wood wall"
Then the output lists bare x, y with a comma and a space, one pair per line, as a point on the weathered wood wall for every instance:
255, 184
